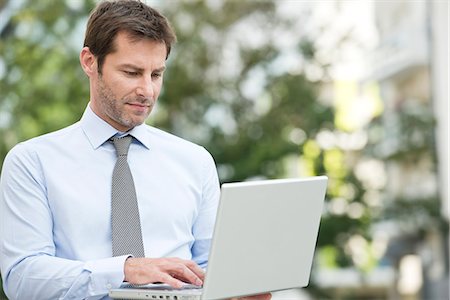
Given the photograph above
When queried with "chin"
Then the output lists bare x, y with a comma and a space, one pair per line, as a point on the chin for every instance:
137, 123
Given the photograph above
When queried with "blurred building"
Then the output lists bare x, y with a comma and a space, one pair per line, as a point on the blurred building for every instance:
411, 65
407, 58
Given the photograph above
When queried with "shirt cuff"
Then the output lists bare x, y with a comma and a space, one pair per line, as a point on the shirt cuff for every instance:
106, 273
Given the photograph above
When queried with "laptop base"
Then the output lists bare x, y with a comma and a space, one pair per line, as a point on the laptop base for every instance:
155, 295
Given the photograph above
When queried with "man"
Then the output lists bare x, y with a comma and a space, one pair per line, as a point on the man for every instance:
56, 190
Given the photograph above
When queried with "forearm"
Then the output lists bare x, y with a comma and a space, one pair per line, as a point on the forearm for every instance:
47, 277
29, 256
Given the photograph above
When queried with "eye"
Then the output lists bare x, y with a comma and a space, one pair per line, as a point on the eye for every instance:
131, 73
157, 75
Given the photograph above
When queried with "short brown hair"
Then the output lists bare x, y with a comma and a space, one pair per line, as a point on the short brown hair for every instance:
139, 20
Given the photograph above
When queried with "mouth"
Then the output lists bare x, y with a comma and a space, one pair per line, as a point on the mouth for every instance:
140, 107
139, 104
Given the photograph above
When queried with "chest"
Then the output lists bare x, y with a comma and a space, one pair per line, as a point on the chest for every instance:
79, 190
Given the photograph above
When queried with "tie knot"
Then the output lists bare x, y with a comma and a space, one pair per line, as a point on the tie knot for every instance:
122, 144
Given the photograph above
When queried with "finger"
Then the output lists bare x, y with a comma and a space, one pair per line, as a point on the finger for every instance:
193, 267
196, 269
266, 296
172, 281
181, 271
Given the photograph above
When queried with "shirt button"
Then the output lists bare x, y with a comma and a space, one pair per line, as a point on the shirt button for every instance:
109, 286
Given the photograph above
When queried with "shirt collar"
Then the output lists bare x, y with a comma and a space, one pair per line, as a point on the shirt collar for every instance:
140, 133
98, 131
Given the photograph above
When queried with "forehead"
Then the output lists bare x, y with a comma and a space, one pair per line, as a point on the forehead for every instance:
132, 47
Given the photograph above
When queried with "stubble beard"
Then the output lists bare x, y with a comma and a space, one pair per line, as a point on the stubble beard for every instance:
114, 108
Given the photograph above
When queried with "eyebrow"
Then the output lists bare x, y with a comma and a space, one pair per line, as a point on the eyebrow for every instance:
130, 66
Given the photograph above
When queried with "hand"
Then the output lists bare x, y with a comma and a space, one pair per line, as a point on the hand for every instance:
173, 271
266, 296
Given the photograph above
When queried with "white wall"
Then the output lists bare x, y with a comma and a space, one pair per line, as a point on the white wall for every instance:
440, 81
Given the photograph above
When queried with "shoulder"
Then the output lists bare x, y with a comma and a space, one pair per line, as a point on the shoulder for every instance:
68, 132
29, 149
54, 135
169, 143
164, 138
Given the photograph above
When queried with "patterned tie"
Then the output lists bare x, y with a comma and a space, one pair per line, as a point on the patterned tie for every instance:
126, 225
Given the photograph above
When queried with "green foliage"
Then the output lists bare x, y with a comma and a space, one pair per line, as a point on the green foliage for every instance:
195, 88
417, 215
43, 87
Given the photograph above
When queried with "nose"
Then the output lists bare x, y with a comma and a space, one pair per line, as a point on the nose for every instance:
146, 87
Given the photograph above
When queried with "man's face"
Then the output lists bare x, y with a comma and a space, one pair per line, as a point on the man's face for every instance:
125, 91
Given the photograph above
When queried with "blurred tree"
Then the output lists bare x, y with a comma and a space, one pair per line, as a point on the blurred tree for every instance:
210, 94
43, 87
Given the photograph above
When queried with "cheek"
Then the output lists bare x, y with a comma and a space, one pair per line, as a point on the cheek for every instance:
122, 87
157, 87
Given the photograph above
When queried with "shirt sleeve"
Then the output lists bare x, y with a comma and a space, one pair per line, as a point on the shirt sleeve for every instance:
204, 225
29, 266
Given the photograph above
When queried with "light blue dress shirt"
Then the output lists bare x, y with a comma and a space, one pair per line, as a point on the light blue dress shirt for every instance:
55, 197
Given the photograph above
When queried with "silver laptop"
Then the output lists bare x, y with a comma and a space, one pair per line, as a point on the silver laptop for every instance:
264, 241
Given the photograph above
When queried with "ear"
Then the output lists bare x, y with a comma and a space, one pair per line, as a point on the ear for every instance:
88, 62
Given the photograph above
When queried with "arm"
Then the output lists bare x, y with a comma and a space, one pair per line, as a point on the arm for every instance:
28, 256
204, 225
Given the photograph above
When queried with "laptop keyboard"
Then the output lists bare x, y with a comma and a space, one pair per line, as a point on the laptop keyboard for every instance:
162, 287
